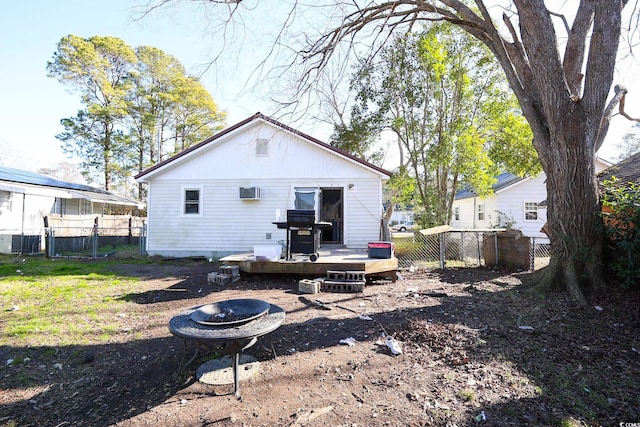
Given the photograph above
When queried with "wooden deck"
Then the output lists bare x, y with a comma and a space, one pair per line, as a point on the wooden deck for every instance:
329, 259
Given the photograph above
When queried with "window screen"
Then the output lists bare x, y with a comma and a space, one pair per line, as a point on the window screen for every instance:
262, 147
192, 201
530, 211
480, 212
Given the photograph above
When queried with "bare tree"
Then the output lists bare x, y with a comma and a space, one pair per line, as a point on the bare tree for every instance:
562, 82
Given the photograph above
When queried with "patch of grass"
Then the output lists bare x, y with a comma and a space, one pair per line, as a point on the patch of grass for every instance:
568, 422
468, 394
57, 302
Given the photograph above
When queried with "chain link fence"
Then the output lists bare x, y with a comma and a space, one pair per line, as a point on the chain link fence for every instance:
95, 242
459, 248
81, 236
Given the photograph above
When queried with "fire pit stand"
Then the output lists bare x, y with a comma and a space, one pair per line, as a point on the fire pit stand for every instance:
231, 339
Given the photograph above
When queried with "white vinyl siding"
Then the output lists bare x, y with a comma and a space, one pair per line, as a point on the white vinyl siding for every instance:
226, 223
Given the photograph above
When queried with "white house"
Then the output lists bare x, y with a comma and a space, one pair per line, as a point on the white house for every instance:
515, 201
27, 198
401, 215
223, 195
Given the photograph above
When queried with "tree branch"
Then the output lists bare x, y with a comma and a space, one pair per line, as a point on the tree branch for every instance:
618, 98
576, 44
603, 50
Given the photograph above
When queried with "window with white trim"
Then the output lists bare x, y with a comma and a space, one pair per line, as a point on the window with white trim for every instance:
456, 213
530, 211
481, 212
192, 201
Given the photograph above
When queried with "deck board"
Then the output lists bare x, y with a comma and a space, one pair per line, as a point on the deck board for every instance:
331, 259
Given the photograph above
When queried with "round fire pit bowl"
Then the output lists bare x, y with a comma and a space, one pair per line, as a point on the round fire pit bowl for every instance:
231, 312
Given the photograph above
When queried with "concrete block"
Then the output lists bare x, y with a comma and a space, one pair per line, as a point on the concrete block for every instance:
342, 286
231, 270
355, 275
223, 279
307, 286
333, 274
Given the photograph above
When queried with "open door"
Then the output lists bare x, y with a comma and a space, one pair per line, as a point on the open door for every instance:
332, 210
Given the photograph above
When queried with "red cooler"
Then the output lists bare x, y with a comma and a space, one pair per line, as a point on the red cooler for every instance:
380, 249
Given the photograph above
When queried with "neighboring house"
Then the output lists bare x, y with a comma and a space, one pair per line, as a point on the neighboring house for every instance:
27, 198
626, 171
401, 215
515, 202
223, 195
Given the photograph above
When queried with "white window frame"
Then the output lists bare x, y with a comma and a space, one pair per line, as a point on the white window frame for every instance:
481, 212
262, 147
184, 201
456, 213
527, 210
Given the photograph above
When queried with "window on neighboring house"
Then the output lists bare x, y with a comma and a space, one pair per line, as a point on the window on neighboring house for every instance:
530, 211
85, 207
192, 201
481, 212
262, 147
456, 213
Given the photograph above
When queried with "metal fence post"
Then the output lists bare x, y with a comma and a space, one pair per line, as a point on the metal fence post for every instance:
142, 242
443, 246
95, 239
52, 242
532, 254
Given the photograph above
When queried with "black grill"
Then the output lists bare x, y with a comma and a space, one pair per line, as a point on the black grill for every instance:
301, 218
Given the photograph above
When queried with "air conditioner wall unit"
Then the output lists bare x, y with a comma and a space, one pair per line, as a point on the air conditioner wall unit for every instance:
250, 193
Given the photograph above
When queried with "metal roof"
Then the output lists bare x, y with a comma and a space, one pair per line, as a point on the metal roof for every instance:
505, 180
33, 181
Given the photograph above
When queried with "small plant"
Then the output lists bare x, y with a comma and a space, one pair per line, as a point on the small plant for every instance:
621, 217
468, 395
503, 220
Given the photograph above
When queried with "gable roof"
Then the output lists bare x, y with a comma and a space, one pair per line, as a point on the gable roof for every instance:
260, 116
504, 180
626, 171
32, 181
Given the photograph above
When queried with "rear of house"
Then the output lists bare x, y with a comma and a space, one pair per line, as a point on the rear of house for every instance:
223, 196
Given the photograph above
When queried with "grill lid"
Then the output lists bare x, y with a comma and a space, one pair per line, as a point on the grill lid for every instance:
301, 217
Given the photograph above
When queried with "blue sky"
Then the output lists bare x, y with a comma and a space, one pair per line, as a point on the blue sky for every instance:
32, 104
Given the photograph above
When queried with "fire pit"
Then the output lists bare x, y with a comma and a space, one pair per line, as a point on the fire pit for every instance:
231, 325
230, 312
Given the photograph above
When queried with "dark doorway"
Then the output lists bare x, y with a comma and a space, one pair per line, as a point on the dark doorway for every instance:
331, 210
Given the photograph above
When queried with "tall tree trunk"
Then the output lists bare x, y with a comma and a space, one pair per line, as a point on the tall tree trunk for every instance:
572, 213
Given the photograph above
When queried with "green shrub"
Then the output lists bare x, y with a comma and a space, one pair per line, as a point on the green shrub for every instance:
621, 222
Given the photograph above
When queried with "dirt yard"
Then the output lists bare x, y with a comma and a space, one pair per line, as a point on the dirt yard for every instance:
477, 349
